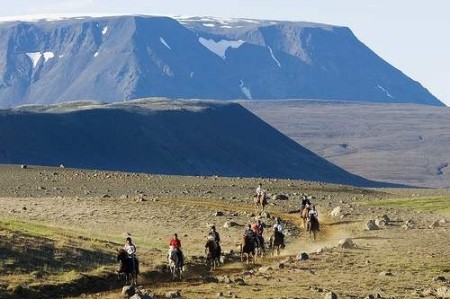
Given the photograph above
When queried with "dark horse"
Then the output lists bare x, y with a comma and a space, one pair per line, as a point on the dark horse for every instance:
212, 251
128, 266
312, 226
276, 241
248, 248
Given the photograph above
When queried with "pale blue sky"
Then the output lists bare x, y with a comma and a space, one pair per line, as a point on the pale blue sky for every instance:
413, 35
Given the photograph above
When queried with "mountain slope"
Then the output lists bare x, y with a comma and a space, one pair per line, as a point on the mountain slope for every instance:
160, 136
113, 59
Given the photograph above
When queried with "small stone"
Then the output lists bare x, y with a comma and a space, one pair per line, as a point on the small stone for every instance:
370, 225
302, 256
443, 292
386, 273
218, 213
128, 291
173, 294
229, 224
24, 166
336, 212
219, 294
435, 224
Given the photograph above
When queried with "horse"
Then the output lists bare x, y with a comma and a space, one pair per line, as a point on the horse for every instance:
175, 263
312, 226
248, 248
212, 251
276, 241
260, 246
260, 200
304, 215
128, 266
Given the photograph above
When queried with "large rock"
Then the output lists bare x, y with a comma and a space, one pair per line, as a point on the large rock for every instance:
280, 197
229, 224
370, 225
346, 243
380, 222
336, 212
302, 256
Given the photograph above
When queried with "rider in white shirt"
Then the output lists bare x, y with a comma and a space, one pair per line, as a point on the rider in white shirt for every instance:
313, 212
130, 248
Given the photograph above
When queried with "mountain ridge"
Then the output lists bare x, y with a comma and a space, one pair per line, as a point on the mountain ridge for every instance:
120, 58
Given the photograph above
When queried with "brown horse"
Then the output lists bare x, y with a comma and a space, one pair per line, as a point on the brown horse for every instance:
260, 200
212, 251
304, 214
248, 248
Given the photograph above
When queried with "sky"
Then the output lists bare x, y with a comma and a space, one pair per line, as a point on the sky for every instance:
412, 35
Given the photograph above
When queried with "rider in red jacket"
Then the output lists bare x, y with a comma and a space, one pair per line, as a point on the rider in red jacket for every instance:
176, 244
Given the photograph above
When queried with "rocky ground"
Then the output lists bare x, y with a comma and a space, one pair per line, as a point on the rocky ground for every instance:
60, 228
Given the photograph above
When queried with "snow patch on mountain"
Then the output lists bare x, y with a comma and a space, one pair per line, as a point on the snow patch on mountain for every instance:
164, 43
220, 48
96, 54
245, 90
105, 30
273, 57
35, 57
387, 92
48, 55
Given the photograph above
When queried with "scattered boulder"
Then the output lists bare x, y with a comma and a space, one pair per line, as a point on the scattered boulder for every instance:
24, 166
219, 294
346, 243
210, 279
265, 269
386, 273
440, 279
229, 224
218, 213
330, 295
302, 256
62, 166
280, 197
173, 294
264, 214
336, 212
434, 224
386, 218
380, 222
240, 281
442, 221
370, 225
443, 292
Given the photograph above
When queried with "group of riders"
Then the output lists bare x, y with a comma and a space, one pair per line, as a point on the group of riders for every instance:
253, 232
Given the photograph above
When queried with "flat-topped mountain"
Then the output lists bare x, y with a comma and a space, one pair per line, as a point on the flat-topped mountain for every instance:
161, 137
112, 59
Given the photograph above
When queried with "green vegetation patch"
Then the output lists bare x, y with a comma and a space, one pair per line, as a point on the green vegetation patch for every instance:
438, 204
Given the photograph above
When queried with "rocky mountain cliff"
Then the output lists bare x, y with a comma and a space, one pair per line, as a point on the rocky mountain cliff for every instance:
162, 137
113, 59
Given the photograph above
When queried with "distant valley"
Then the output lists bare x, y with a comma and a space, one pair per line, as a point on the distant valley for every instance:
405, 144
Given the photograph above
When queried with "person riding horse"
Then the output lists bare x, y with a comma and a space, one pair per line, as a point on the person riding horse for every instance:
313, 216
279, 228
175, 244
304, 203
260, 192
258, 230
214, 235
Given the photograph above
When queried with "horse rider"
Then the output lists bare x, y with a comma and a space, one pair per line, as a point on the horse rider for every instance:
249, 232
258, 229
313, 212
279, 228
304, 203
260, 192
214, 235
175, 244
130, 249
